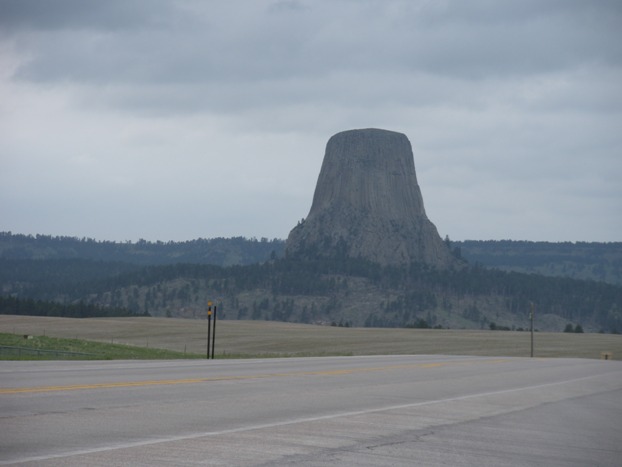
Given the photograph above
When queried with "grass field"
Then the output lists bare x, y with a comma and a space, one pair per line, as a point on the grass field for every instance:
15, 347
269, 338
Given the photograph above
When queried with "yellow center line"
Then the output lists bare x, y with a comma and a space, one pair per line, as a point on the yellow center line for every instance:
163, 382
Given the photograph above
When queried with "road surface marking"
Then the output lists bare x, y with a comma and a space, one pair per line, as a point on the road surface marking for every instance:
242, 429
346, 371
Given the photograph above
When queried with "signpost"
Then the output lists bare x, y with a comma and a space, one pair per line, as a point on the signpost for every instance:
211, 335
209, 325
214, 333
531, 313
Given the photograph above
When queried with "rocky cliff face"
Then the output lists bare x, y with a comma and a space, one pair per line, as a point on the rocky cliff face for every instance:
367, 204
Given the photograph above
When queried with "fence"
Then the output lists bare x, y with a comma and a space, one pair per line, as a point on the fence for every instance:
11, 351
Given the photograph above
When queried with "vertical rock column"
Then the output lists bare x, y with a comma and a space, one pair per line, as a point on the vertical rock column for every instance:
368, 204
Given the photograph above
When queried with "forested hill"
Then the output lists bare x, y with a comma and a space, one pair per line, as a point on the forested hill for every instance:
352, 292
167, 279
580, 260
218, 251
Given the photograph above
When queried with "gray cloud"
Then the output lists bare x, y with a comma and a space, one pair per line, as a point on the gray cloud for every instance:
513, 109
198, 42
83, 15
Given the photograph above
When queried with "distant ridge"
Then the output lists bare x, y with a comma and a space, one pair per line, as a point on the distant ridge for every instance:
598, 261
219, 251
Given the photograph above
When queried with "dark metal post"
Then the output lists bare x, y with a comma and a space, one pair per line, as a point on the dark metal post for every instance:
214, 333
531, 313
209, 325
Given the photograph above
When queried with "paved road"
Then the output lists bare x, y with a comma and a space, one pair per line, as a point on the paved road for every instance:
374, 411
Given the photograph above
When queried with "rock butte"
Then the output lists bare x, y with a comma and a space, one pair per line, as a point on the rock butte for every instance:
368, 204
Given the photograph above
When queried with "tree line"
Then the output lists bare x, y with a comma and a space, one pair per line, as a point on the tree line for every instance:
220, 251
601, 261
580, 260
412, 293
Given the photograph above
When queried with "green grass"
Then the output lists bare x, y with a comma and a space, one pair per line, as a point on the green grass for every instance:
16, 347
54, 348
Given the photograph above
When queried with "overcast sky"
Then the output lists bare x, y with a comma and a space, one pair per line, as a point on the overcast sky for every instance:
174, 120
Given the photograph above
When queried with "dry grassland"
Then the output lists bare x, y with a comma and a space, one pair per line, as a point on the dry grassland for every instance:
268, 338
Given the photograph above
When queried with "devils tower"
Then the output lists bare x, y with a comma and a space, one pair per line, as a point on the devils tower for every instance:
367, 204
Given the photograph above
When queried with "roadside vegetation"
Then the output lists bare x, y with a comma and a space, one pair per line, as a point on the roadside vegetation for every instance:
27, 347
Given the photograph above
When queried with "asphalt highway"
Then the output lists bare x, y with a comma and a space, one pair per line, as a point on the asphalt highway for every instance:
363, 411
